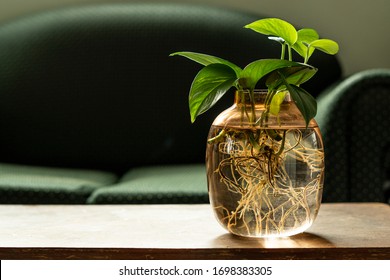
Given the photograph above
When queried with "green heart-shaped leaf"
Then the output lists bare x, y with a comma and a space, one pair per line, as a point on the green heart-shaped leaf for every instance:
209, 85
275, 27
295, 75
305, 102
325, 45
307, 35
206, 59
254, 71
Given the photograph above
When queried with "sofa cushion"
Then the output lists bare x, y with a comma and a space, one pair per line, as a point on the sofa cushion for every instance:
46, 185
157, 184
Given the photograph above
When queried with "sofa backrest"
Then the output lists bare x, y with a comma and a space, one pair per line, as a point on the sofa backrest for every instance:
94, 86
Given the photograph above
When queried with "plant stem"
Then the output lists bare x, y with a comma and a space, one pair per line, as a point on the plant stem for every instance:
283, 51
289, 53
253, 112
264, 115
306, 58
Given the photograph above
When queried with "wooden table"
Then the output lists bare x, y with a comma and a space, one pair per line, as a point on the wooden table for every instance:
341, 231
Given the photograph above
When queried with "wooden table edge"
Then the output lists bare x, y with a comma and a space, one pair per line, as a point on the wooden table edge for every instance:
37, 253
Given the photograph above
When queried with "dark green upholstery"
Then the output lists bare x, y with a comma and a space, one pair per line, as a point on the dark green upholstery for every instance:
355, 123
38, 185
157, 184
93, 87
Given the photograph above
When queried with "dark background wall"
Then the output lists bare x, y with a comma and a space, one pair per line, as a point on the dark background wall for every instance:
360, 26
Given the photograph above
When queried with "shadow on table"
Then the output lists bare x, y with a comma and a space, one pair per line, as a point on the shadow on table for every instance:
302, 240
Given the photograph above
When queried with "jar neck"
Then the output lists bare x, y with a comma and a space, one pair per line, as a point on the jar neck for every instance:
256, 97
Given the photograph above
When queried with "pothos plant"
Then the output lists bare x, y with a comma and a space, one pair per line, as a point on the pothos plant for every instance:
253, 192
219, 75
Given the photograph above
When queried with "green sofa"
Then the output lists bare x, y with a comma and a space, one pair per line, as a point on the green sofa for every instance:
353, 115
93, 109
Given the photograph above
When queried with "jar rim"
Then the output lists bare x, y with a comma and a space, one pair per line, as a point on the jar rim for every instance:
261, 91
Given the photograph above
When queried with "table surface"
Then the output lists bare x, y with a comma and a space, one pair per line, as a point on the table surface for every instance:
341, 231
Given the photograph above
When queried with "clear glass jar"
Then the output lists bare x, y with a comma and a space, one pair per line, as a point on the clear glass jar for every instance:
265, 171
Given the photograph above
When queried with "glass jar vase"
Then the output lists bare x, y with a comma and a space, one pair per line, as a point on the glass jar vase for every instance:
265, 169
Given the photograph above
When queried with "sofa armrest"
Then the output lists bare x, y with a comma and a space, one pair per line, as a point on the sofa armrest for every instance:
354, 120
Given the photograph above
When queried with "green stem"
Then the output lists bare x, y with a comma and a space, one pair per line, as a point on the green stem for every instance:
252, 96
289, 53
267, 102
283, 51
306, 56
243, 110
217, 138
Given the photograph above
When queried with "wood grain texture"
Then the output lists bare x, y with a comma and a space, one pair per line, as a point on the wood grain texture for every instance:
341, 231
